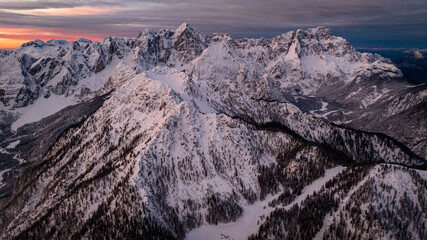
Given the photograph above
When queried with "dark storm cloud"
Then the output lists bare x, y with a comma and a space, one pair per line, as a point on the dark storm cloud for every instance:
376, 21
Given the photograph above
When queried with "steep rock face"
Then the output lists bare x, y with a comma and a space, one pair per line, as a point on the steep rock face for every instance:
188, 43
196, 128
38, 69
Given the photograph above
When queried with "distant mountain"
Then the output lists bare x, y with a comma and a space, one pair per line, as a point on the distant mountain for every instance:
412, 62
168, 134
414, 65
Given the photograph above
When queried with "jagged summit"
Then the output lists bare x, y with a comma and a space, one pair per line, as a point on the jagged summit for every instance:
85, 40
418, 55
321, 32
35, 43
183, 28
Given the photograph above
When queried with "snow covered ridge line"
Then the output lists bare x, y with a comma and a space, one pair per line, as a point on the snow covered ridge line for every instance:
356, 145
56, 66
273, 115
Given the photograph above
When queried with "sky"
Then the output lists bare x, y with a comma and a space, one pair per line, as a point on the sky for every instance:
365, 23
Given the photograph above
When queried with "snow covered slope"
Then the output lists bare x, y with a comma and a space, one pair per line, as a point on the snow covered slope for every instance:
254, 214
377, 202
388, 195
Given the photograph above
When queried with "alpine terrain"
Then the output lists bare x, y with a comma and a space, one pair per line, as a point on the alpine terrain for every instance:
180, 135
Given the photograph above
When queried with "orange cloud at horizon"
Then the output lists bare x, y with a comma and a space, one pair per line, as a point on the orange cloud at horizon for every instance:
11, 38
10, 44
74, 11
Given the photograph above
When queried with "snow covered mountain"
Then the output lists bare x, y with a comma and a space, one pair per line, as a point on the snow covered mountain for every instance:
172, 130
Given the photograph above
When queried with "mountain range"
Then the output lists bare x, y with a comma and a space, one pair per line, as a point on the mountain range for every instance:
176, 134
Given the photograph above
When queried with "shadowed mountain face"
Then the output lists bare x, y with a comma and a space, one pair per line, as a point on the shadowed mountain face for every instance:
412, 62
414, 65
173, 130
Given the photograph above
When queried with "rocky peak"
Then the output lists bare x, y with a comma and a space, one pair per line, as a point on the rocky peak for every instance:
147, 36
281, 43
4, 52
36, 43
318, 34
55, 42
84, 40
321, 32
188, 43
147, 33
184, 28
418, 55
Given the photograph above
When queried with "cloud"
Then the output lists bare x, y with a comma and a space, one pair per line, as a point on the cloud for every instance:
384, 20
73, 11
32, 5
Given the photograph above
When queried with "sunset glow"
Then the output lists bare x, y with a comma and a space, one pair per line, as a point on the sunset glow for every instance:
75, 11
365, 23
11, 38
7, 43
